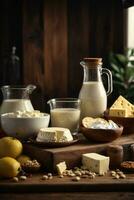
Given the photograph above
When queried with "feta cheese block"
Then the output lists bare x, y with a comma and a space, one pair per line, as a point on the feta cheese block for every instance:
61, 167
54, 134
95, 162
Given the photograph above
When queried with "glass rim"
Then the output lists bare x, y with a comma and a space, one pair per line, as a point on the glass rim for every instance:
68, 100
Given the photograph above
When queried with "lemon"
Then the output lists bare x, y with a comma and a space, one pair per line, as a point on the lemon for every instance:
9, 167
10, 146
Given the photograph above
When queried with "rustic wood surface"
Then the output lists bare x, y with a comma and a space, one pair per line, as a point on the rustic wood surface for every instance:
70, 196
57, 188
49, 157
35, 184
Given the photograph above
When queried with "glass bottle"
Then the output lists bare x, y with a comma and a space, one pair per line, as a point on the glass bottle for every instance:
92, 94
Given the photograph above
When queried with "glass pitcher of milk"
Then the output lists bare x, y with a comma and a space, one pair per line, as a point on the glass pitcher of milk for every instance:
92, 94
16, 98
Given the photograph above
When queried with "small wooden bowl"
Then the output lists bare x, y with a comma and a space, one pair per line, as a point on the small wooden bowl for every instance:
102, 135
127, 166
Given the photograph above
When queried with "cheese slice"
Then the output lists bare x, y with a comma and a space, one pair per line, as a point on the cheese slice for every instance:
61, 167
95, 162
122, 108
54, 134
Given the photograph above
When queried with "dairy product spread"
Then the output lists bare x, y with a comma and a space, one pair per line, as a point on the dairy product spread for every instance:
98, 123
122, 108
54, 134
95, 162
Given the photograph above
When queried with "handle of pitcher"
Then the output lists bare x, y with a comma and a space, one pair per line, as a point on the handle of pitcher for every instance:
110, 80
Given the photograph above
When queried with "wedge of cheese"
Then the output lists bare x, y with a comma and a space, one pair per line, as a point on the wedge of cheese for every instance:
121, 108
95, 162
61, 167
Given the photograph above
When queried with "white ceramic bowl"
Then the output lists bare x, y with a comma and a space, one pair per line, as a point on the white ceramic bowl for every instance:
23, 128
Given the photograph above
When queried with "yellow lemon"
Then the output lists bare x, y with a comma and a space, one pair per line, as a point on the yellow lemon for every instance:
10, 146
9, 167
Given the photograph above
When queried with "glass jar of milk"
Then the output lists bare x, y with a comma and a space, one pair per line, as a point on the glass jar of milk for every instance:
92, 94
16, 98
65, 112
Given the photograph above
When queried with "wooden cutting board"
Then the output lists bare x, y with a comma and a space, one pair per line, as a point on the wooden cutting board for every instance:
49, 157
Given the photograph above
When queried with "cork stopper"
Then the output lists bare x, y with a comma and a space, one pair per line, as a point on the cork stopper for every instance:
92, 62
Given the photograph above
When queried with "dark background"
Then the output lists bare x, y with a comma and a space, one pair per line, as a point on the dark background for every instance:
52, 36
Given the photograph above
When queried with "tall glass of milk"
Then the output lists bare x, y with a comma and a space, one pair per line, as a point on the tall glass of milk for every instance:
16, 98
65, 112
93, 95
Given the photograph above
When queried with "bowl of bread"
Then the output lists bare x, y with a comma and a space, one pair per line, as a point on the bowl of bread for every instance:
122, 112
100, 130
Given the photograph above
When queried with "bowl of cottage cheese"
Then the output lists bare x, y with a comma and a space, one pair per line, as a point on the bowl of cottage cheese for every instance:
100, 130
24, 124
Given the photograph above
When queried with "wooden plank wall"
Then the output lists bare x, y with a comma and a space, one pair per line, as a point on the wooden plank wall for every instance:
56, 35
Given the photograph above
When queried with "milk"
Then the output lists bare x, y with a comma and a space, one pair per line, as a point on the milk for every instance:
65, 117
13, 105
93, 99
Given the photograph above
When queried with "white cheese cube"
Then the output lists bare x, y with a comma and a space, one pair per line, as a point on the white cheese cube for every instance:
95, 162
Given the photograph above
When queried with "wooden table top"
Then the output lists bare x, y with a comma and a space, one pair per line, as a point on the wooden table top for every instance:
100, 183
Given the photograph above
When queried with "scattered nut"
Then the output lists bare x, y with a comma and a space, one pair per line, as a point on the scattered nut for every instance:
77, 178
44, 177
92, 176
122, 176
116, 176
113, 173
83, 172
15, 179
61, 176
49, 174
77, 173
72, 175
23, 178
